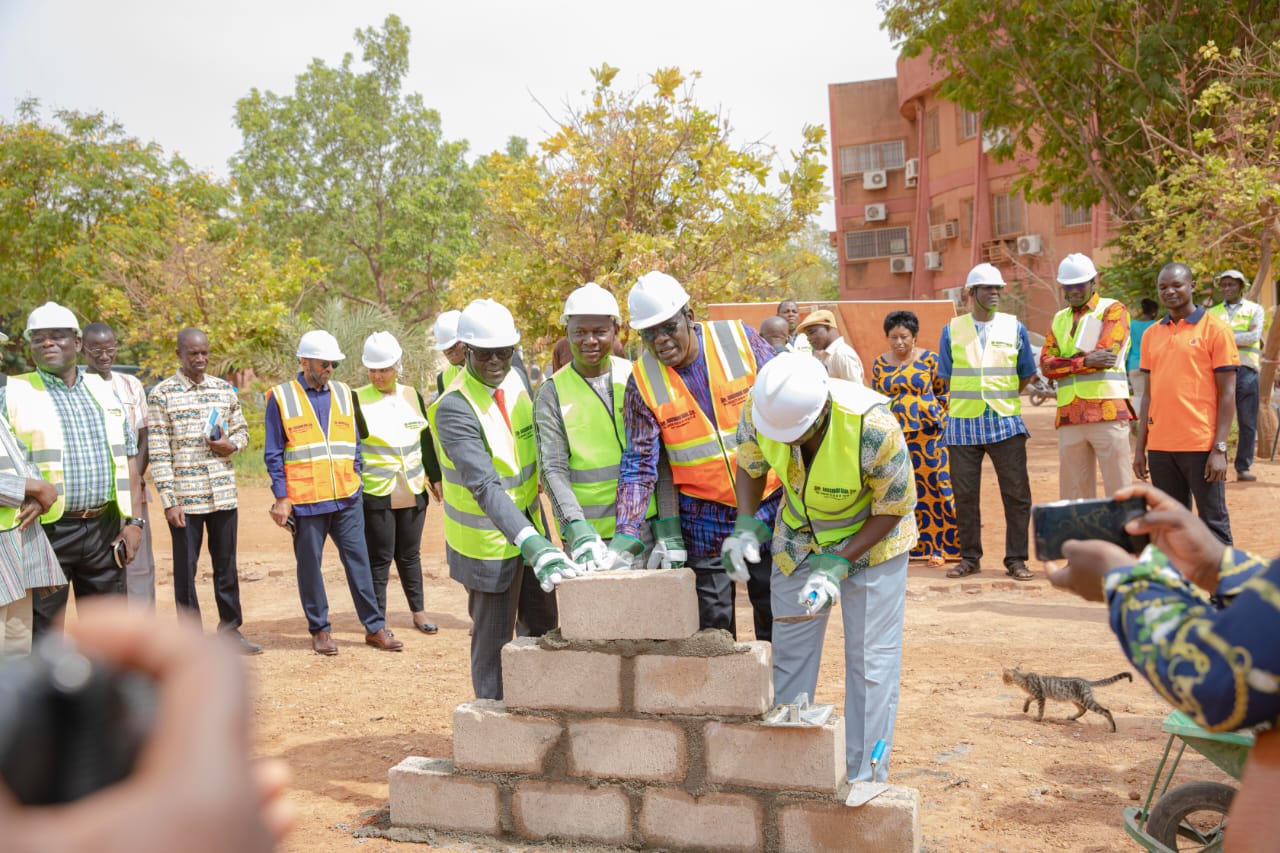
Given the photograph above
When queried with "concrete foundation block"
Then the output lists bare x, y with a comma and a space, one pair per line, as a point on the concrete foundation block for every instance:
488, 737
739, 683
760, 756
564, 810
723, 823
636, 605
890, 823
561, 679
424, 792
644, 750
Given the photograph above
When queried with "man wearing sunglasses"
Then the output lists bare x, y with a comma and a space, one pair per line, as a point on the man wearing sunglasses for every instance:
685, 396
1085, 353
313, 457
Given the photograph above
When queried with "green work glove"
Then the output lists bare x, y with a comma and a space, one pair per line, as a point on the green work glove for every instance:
584, 545
550, 564
668, 548
743, 546
823, 587
622, 553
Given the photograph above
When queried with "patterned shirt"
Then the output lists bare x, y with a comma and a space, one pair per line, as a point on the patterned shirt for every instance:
1220, 667
88, 475
886, 470
1115, 331
186, 472
27, 560
134, 397
989, 427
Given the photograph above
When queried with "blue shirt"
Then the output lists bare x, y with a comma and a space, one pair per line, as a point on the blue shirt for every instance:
273, 452
1136, 329
989, 427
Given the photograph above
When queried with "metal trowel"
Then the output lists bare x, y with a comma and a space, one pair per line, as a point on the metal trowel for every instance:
860, 793
799, 714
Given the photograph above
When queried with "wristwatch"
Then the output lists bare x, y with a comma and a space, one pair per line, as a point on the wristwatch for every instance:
1220, 446
136, 522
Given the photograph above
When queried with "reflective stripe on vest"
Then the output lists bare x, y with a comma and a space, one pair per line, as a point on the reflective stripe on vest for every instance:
35, 421
394, 445
984, 376
1250, 354
703, 458
834, 503
467, 528
10, 466
319, 465
1111, 384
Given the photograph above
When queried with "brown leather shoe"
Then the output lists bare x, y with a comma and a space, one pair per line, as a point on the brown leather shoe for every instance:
383, 641
322, 642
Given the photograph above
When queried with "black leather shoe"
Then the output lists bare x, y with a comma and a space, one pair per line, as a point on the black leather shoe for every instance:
246, 646
1246, 476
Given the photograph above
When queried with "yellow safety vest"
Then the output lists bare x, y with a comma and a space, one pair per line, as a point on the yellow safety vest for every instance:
15, 468
394, 445
1250, 354
319, 465
982, 377
1110, 384
514, 451
834, 502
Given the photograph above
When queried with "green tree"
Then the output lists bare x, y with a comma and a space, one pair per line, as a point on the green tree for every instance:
359, 172
634, 180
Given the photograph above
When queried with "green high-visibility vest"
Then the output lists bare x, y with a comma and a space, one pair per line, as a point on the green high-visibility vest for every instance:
596, 439
514, 451
16, 468
1109, 384
834, 502
1250, 354
984, 376
394, 445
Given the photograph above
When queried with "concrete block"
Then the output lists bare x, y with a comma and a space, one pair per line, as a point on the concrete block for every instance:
739, 683
890, 823
721, 823
636, 605
424, 792
488, 737
560, 679
797, 759
646, 750
564, 810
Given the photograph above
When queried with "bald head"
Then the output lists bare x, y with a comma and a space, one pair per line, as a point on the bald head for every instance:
775, 331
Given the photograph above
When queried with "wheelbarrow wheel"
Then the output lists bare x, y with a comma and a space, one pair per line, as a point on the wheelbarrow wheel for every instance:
1191, 816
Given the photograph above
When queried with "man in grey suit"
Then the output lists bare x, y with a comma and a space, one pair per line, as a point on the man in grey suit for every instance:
495, 532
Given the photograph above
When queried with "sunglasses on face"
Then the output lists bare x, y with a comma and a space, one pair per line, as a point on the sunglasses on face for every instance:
502, 354
324, 364
667, 329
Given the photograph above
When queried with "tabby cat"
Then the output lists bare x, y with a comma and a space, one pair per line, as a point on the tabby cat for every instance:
1077, 690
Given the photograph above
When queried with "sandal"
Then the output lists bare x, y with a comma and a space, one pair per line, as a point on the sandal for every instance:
964, 568
937, 561
1019, 571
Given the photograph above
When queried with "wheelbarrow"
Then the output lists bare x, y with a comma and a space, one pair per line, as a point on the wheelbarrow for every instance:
1191, 816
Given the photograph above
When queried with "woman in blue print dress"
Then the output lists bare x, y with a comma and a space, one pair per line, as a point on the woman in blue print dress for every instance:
907, 375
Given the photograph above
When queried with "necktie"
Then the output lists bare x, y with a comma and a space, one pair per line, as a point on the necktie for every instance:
500, 397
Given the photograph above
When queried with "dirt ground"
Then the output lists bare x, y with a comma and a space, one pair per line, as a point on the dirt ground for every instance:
989, 776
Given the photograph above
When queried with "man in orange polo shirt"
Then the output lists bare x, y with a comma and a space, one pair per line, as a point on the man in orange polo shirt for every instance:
1191, 360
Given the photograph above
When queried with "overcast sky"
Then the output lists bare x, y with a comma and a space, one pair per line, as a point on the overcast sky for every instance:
172, 71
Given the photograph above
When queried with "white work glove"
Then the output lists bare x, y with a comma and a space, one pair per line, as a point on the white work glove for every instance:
668, 548
585, 546
550, 564
822, 590
742, 547
621, 554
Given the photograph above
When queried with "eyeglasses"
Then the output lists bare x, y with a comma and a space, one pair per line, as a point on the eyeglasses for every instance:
500, 354
1076, 288
667, 330
99, 352
58, 336
326, 364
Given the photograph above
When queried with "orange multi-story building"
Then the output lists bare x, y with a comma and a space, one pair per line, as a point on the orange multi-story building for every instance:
919, 201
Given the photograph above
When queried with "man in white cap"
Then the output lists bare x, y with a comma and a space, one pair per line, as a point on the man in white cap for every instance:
1245, 319
312, 454
495, 535
829, 346
844, 534
986, 357
79, 435
1085, 353
445, 331
398, 467
685, 397
584, 400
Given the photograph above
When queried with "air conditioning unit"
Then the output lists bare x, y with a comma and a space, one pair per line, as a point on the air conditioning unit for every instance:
912, 172
955, 294
876, 180
948, 230
876, 213
933, 260
900, 265
1029, 244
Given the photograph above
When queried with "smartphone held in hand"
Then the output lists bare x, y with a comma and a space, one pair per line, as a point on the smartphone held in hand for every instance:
1098, 518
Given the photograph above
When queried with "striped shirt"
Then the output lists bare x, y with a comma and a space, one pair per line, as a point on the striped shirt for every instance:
27, 560
186, 472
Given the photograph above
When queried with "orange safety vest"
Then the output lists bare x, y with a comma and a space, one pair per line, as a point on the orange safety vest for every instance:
703, 456
318, 466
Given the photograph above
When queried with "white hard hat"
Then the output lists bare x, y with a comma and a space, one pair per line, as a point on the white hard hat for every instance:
51, 315
591, 300
788, 396
984, 274
320, 344
445, 330
381, 349
1076, 268
487, 324
655, 297
1233, 274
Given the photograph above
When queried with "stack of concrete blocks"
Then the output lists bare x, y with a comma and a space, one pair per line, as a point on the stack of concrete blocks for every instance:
632, 729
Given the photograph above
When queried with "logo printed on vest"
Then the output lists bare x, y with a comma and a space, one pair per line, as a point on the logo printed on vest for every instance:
677, 420
731, 399
832, 491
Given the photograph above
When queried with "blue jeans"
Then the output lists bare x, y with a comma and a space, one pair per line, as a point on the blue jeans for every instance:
1246, 416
